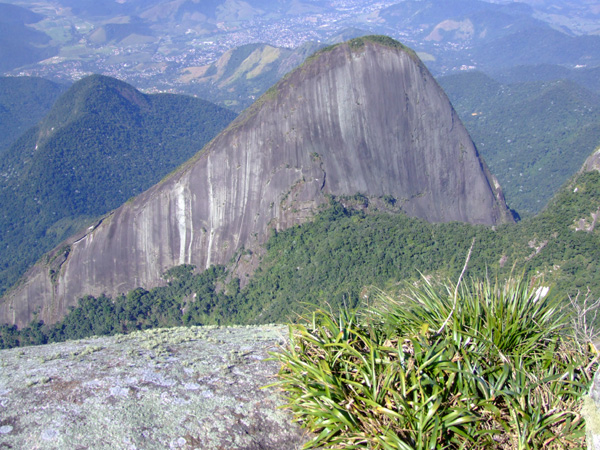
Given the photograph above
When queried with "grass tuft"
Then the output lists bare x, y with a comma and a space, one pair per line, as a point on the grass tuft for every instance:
472, 366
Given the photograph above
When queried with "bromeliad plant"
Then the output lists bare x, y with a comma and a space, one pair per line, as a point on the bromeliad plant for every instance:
443, 367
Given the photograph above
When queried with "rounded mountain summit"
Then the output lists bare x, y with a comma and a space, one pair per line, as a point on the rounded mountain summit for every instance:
364, 116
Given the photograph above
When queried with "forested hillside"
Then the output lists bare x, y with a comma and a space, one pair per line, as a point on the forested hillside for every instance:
588, 77
24, 101
533, 135
102, 143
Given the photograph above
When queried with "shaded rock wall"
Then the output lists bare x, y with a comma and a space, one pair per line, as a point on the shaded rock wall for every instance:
353, 119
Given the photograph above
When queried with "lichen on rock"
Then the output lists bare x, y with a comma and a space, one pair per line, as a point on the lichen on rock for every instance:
178, 388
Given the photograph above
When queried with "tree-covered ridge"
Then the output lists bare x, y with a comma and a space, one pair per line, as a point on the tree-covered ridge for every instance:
533, 135
102, 143
335, 261
588, 77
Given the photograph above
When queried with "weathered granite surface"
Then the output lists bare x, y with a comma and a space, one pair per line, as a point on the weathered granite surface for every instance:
592, 162
181, 388
591, 412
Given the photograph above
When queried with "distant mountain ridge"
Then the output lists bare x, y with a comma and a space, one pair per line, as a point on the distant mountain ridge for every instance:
487, 36
19, 43
243, 74
101, 143
150, 43
577, 16
588, 77
360, 117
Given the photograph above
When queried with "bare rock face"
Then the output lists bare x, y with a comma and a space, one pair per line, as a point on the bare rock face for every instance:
360, 117
591, 412
589, 223
180, 388
592, 162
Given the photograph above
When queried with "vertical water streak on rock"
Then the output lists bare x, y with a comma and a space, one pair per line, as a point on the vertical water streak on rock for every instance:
211, 211
190, 218
180, 217
145, 236
246, 178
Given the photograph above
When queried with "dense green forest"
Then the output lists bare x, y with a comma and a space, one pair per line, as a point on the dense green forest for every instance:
102, 143
533, 135
588, 77
334, 261
24, 101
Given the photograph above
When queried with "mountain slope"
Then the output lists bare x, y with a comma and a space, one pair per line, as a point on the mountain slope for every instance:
533, 135
24, 101
360, 117
488, 36
588, 77
21, 44
538, 46
102, 143
580, 17
338, 260
468, 21
243, 74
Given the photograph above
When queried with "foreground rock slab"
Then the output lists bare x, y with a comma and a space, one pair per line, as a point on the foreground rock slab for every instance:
179, 388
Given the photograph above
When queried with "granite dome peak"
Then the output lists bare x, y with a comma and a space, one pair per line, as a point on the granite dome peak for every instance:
364, 116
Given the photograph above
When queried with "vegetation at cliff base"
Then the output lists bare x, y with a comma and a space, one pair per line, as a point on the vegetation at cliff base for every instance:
338, 259
187, 299
469, 366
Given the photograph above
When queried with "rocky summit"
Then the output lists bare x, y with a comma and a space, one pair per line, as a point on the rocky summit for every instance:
362, 117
